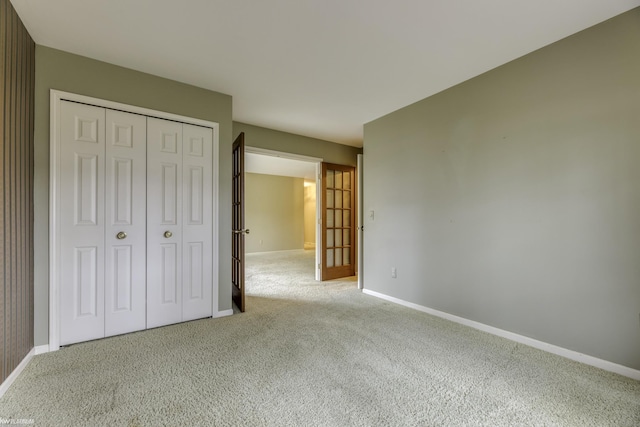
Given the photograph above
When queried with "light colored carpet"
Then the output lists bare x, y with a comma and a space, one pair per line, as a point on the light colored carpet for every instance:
315, 354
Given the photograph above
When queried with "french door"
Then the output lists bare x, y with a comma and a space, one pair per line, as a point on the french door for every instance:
338, 221
238, 231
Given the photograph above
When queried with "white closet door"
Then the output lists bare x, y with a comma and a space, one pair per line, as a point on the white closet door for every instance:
125, 219
81, 222
197, 222
164, 222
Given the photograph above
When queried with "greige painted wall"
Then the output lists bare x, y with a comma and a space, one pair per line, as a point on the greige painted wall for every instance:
513, 199
274, 212
71, 73
310, 215
269, 139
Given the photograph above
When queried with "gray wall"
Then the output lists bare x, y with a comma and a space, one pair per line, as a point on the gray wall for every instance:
513, 199
269, 139
71, 73
310, 216
274, 212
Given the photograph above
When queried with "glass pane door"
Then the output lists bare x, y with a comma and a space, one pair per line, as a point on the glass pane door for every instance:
338, 219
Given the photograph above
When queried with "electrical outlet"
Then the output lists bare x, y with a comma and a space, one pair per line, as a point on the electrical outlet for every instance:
394, 273
260, 241
371, 215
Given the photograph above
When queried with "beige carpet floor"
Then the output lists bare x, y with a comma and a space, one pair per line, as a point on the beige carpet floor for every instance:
315, 354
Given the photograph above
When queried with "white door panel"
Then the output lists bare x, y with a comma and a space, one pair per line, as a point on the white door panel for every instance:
164, 222
197, 222
125, 218
81, 222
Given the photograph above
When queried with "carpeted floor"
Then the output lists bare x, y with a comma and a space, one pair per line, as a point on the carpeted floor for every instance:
315, 354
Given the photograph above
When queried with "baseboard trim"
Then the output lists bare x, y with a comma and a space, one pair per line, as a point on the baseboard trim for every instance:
541, 345
223, 313
41, 349
284, 251
16, 372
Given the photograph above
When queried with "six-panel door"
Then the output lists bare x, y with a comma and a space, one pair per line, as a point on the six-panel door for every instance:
125, 222
164, 222
197, 222
81, 222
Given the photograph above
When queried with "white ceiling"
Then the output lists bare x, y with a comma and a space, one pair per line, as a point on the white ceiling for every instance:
320, 68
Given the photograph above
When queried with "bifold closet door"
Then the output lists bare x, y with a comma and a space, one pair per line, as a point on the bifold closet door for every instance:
81, 222
125, 222
179, 222
102, 161
197, 222
164, 221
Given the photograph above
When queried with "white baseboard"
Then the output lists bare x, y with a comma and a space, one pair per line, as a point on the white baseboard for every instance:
223, 313
550, 348
275, 252
41, 349
16, 372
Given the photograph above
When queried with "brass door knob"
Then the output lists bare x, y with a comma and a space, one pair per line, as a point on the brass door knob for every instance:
167, 234
121, 235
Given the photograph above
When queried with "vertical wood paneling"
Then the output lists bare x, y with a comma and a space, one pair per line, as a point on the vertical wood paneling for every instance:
17, 79
3, 81
30, 206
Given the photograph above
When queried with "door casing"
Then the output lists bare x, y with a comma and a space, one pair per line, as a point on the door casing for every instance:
360, 223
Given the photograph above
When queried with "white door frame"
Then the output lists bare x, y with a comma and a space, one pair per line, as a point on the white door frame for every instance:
56, 97
318, 161
360, 206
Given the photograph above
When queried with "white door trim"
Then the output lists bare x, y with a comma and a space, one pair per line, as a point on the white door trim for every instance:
318, 161
282, 154
56, 97
360, 205
319, 253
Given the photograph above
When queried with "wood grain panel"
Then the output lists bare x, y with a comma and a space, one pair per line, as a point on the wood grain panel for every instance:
17, 77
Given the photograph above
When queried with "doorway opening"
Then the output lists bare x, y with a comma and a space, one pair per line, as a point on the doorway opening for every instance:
282, 205
285, 199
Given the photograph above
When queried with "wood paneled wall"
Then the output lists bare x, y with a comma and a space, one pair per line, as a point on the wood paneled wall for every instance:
17, 74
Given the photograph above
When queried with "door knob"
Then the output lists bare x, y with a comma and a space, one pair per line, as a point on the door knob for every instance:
121, 235
167, 234
244, 231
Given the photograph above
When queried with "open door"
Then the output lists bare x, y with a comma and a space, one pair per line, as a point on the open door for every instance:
338, 221
238, 230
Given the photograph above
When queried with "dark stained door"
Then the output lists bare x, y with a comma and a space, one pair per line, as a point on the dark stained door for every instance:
338, 221
238, 230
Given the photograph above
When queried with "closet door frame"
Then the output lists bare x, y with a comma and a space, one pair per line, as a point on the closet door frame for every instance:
56, 97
